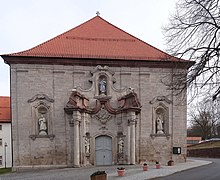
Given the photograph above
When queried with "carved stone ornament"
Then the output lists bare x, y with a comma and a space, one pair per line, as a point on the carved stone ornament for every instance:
120, 145
100, 68
102, 85
103, 116
129, 101
159, 124
40, 97
132, 121
87, 145
42, 125
33, 137
160, 98
76, 101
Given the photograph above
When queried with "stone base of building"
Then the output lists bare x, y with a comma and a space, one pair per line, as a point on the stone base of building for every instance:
37, 167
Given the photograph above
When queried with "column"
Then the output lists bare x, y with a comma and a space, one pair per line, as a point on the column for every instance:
129, 145
132, 122
76, 140
82, 133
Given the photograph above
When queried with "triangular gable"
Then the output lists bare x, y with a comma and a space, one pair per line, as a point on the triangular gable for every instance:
97, 39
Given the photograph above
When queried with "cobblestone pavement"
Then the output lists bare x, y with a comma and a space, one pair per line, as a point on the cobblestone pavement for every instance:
133, 172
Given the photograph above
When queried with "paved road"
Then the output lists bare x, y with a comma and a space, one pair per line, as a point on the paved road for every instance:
133, 172
208, 172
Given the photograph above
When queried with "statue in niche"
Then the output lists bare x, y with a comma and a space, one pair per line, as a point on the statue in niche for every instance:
159, 123
87, 145
102, 86
120, 145
42, 125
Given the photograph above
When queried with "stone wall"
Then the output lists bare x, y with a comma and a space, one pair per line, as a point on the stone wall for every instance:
207, 152
56, 83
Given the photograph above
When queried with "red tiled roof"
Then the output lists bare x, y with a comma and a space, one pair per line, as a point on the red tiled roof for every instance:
97, 39
5, 113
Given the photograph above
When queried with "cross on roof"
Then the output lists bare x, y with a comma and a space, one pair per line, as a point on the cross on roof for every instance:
97, 13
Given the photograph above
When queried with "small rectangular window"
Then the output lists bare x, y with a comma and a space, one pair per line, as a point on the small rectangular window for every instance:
0, 142
0, 127
0, 160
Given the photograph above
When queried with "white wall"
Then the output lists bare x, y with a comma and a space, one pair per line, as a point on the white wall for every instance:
5, 135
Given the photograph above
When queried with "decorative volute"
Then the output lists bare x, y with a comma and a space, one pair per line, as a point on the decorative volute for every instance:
103, 93
79, 102
76, 101
129, 101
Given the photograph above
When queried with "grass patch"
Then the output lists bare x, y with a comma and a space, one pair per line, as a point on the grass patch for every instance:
5, 170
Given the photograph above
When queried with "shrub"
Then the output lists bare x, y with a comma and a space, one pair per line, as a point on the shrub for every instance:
120, 168
98, 173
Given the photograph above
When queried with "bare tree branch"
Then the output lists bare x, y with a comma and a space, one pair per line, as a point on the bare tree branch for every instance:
194, 33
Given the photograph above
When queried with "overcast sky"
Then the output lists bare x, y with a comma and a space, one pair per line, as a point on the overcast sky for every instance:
27, 23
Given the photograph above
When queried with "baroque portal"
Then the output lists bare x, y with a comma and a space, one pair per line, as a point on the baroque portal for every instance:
103, 112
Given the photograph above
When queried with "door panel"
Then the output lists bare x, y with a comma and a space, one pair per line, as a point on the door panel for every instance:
103, 150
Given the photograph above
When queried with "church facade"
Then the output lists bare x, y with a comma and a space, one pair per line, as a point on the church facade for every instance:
94, 95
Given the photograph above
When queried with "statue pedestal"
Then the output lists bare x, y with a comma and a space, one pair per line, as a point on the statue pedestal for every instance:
42, 133
160, 132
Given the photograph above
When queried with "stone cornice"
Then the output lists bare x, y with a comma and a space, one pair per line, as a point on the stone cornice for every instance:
95, 62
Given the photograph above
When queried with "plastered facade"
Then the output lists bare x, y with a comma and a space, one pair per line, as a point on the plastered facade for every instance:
76, 111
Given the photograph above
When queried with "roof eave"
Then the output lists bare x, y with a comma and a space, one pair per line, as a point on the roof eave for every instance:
12, 59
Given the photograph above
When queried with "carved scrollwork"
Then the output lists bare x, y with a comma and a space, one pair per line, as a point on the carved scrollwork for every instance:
160, 98
40, 97
100, 68
103, 116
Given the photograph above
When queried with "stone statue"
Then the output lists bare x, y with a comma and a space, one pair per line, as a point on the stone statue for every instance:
42, 125
159, 121
120, 145
102, 86
87, 145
